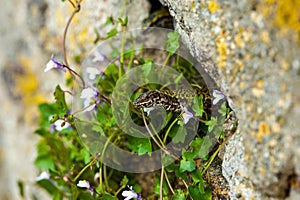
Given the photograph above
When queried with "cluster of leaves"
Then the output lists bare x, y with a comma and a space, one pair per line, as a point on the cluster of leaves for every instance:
62, 154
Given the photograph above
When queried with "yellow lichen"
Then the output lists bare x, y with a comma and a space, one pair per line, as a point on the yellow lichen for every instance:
257, 90
27, 84
265, 37
288, 13
263, 130
193, 6
213, 6
283, 13
260, 83
262, 170
222, 50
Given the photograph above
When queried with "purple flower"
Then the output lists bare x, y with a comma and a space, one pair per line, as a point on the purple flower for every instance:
85, 184
187, 115
90, 98
129, 194
218, 96
54, 64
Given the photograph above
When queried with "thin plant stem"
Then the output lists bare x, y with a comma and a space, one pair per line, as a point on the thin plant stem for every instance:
161, 142
161, 183
64, 52
165, 64
101, 159
169, 129
185, 184
168, 182
88, 165
105, 176
154, 139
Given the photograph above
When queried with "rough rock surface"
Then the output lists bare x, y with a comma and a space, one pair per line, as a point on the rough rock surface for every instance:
252, 50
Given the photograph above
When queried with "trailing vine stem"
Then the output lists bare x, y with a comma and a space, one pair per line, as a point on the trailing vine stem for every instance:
64, 52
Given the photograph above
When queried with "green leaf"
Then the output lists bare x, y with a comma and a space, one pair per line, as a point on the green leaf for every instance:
201, 186
211, 123
156, 189
187, 165
139, 145
194, 192
107, 197
224, 110
172, 44
204, 150
145, 147
180, 135
86, 155
44, 162
98, 129
21, 188
47, 110
198, 106
196, 146
123, 22
196, 176
109, 20
197, 195
48, 186
41, 132
111, 33
60, 100
147, 68
179, 195
57, 195
124, 181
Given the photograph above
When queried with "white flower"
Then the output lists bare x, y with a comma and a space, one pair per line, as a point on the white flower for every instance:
60, 125
98, 56
85, 184
129, 194
54, 64
43, 176
148, 110
187, 115
90, 98
88, 93
218, 95
93, 72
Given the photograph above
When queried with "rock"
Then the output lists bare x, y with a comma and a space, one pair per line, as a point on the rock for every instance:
251, 49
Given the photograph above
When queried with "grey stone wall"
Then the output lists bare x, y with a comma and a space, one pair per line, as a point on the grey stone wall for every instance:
251, 49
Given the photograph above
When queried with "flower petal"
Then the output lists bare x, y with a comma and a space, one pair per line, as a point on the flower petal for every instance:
43, 176
218, 96
84, 184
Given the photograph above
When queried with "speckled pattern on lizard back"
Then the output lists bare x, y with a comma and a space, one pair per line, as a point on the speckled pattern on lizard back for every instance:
170, 100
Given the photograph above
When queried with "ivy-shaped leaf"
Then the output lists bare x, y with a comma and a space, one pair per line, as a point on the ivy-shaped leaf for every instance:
211, 123
145, 147
204, 150
187, 165
198, 106
60, 100
172, 44
111, 33
179, 195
